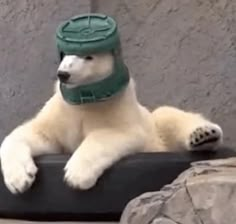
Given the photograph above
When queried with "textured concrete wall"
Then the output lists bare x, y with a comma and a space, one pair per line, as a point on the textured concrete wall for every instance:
182, 53
28, 55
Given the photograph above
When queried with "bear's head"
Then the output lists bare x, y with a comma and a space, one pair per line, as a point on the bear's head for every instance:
91, 68
77, 70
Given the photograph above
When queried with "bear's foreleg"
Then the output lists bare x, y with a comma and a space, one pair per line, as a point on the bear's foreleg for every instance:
186, 130
33, 138
99, 151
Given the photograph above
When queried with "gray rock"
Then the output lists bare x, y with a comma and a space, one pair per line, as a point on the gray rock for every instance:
203, 194
163, 221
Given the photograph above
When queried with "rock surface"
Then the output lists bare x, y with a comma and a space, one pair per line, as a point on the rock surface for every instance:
203, 194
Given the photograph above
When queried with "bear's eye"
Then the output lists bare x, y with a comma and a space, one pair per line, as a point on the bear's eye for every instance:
89, 58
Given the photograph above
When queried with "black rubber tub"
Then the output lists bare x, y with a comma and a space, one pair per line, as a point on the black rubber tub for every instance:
51, 199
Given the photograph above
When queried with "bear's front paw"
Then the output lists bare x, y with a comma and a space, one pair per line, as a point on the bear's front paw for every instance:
79, 174
205, 137
19, 173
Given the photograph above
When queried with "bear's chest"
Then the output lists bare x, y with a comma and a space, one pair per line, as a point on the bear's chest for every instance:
72, 134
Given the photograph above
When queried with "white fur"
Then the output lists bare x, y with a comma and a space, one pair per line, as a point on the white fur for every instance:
86, 71
97, 134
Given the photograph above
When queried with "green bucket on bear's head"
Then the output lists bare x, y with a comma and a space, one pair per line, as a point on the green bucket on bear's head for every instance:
88, 34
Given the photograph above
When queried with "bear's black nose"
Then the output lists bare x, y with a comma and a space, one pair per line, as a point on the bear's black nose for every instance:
63, 76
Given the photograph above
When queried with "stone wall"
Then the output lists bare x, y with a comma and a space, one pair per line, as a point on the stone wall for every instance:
182, 53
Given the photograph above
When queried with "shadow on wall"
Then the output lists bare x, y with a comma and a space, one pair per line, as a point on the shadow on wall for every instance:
181, 53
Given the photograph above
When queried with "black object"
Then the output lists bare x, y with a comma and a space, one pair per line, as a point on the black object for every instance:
50, 199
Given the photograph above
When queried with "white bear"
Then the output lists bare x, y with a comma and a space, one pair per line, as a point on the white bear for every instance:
97, 134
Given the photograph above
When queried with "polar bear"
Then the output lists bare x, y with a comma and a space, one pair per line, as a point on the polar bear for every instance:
97, 134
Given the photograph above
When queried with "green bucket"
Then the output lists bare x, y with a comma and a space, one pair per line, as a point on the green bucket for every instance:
87, 34
91, 34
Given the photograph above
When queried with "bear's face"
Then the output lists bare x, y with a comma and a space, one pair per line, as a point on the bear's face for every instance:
74, 70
